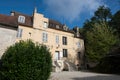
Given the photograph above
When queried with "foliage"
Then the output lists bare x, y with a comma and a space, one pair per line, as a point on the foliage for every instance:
99, 40
115, 22
102, 14
26, 60
110, 63
98, 36
87, 26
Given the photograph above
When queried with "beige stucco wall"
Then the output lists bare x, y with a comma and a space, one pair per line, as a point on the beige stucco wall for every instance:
35, 34
7, 38
38, 21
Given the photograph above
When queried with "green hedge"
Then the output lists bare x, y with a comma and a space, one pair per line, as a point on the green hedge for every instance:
26, 60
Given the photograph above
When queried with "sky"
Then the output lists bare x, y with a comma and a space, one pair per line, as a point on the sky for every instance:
69, 12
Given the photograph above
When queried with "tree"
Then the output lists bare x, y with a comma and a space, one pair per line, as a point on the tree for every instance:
110, 63
87, 25
26, 61
115, 22
98, 36
103, 14
99, 40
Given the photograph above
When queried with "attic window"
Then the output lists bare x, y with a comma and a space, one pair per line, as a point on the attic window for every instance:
57, 26
45, 25
21, 19
65, 28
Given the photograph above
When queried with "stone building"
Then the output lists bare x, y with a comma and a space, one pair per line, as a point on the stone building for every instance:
8, 31
66, 45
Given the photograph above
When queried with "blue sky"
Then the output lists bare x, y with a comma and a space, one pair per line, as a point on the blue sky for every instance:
69, 12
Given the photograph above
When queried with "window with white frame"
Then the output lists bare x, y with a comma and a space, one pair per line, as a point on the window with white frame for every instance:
19, 33
45, 24
57, 39
44, 37
21, 19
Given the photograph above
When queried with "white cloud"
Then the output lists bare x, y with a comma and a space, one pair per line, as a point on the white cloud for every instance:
71, 9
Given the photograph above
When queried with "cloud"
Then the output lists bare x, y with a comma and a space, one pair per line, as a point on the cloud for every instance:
72, 9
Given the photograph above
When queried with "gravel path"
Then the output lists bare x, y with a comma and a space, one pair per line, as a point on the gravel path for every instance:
82, 76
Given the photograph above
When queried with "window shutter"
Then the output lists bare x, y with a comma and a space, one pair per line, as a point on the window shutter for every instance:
57, 39
61, 54
44, 37
19, 33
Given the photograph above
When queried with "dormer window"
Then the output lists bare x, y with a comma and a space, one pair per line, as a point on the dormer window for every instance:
45, 25
65, 28
57, 26
50, 25
21, 19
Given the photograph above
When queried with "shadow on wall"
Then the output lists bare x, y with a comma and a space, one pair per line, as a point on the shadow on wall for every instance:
100, 77
0, 63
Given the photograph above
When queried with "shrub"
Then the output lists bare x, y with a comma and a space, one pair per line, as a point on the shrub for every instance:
109, 64
26, 60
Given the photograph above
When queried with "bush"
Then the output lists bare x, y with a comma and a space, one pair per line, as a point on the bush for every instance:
26, 61
109, 64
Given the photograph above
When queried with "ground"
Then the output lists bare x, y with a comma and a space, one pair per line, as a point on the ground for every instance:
82, 76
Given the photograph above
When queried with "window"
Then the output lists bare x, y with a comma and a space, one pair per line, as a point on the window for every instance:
44, 37
50, 25
45, 25
19, 33
78, 44
65, 28
21, 19
57, 26
79, 55
64, 40
57, 39
65, 54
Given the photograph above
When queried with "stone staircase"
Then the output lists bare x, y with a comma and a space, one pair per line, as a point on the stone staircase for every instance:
71, 66
60, 65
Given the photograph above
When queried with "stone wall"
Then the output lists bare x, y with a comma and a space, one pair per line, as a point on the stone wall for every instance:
7, 38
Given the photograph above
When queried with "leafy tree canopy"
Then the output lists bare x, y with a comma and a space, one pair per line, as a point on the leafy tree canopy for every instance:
99, 41
115, 22
102, 14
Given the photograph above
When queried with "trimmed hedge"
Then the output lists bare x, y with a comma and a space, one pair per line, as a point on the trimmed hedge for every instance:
26, 60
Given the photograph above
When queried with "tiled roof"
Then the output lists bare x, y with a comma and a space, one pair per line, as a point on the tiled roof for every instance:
13, 21
57, 25
28, 19
53, 24
8, 20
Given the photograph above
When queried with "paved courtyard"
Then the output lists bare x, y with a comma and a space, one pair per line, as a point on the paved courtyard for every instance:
82, 76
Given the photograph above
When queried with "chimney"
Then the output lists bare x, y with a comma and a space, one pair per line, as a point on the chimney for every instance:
35, 10
12, 13
77, 31
78, 34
